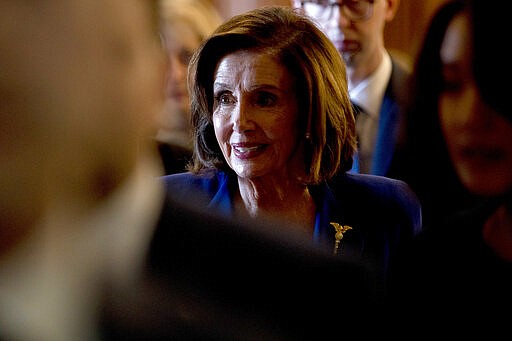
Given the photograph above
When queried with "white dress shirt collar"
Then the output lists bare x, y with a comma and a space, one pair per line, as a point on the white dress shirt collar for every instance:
369, 93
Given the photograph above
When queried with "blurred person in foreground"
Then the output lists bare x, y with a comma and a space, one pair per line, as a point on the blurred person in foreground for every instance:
273, 124
81, 87
185, 24
377, 77
456, 278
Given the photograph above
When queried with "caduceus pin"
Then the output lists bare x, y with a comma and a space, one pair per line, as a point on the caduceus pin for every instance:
340, 230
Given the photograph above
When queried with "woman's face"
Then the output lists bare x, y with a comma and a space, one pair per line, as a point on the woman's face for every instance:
181, 41
255, 115
478, 138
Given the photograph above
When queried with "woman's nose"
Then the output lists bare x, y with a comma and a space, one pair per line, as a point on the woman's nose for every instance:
178, 70
242, 116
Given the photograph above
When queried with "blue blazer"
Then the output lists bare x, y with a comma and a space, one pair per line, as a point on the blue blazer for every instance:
383, 213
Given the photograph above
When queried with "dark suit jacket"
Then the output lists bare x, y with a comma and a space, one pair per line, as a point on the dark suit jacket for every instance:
391, 118
174, 157
211, 278
451, 272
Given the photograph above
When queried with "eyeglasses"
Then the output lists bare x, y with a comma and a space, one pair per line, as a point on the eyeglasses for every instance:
354, 10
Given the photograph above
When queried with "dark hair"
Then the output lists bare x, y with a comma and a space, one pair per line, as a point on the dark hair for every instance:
327, 120
491, 61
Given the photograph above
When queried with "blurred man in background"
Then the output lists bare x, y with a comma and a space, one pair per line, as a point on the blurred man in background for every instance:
377, 79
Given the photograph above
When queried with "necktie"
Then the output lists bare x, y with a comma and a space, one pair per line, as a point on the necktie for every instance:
357, 109
360, 117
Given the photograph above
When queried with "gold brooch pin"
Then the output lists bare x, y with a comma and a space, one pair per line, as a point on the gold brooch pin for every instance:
340, 230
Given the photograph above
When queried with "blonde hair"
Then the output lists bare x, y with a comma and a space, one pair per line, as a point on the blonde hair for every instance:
200, 15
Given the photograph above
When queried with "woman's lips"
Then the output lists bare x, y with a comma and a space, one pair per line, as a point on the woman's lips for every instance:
246, 151
482, 153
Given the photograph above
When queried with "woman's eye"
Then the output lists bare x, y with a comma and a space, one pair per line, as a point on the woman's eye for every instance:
453, 79
225, 98
452, 85
265, 99
184, 56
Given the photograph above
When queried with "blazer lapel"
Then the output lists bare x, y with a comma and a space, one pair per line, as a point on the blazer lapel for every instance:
386, 136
